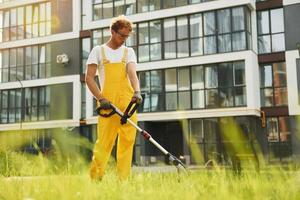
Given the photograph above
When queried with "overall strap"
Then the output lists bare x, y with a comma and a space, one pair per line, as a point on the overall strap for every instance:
104, 59
124, 58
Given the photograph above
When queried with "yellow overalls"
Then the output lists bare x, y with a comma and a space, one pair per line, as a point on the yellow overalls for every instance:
117, 89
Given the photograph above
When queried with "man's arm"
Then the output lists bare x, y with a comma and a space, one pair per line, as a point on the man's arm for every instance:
131, 70
90, 81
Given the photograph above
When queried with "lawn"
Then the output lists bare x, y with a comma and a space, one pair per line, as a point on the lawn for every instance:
27, 177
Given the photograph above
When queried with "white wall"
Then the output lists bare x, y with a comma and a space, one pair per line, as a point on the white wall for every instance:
291, 70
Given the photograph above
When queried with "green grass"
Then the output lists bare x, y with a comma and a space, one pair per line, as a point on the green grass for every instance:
36, 177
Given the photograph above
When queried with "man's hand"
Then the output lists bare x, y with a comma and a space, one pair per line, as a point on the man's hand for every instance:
104, 104
137, 97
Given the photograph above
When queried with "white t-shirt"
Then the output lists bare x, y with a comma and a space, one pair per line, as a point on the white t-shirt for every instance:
113, 55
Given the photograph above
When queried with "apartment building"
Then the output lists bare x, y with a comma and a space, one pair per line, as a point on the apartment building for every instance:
209, 71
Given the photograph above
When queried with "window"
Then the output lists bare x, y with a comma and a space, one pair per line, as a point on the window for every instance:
109, 8
270, 31
147, 5
149, 41
211, 32
85, 47
25, 22
36, 108
25, 63
151, 89
273, 85
279, 138
197, 87
170, 38
196, 34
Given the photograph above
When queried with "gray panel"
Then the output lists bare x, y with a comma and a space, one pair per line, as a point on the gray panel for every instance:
61, 101
292, 28
72, 49
298, 78
61, 12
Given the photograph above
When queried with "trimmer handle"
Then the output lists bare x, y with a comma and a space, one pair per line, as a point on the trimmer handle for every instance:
99, 109
131, 108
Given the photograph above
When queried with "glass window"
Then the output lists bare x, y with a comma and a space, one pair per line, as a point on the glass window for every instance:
155, 29
210, 45
171, 80
107, 10
182, 27
280, 96
211, 77
224, 22
266, 77
197, 130
196, 47
209, 23
211, 99
198, 99
238, 19
270, 31
119, 7
239, 41
278, 42
144, 53
86, 47
183, 79
169, 29
225, 76
240, 98
197, 77
184, 100
196, 25
277, 21
226, 97
130, 7
143, 33
154, 5
156, 80
155, 50
272, 127
182, 48
171, 101
239, 73
279, 73
264, 44
145, 81
170, 50
224, 43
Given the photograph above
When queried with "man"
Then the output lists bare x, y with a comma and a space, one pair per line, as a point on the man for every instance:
116, 66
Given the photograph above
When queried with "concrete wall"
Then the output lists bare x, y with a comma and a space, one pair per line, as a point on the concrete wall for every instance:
71, 48
61, 98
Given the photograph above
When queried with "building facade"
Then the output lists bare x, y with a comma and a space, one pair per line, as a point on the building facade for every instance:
219, 78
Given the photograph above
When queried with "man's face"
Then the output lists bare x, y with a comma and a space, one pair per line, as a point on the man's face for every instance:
120, 36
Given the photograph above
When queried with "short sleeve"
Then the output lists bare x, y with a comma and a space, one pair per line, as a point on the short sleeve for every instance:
131, 56
94, 56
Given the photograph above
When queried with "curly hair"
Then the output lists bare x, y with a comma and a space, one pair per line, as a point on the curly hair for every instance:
120, 22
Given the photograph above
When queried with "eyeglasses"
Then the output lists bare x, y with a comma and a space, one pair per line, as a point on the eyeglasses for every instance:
122, 35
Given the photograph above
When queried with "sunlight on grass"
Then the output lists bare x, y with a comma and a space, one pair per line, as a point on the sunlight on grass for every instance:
202, 184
